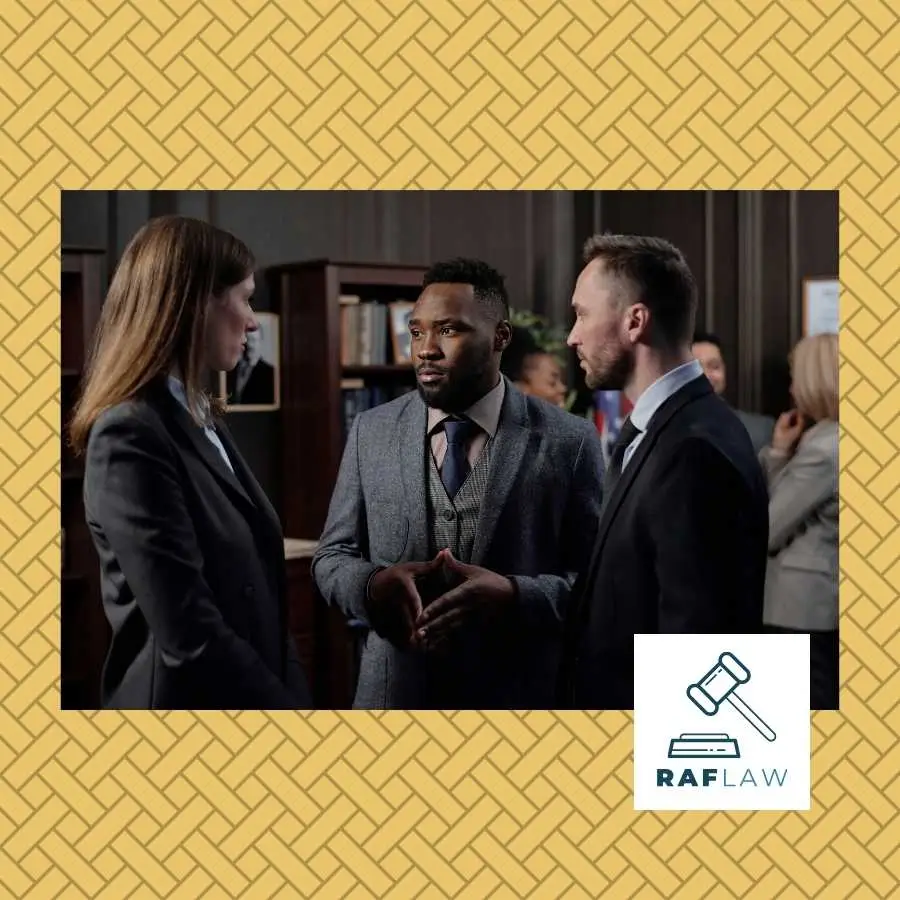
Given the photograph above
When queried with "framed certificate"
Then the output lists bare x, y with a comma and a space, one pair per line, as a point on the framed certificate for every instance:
821, 308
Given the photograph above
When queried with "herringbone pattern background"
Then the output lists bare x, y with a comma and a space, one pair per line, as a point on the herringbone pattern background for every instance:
449, 93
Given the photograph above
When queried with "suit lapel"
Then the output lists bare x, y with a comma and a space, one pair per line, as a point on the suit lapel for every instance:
270, 540
246, 478
412, 439
692, 390
202, 445
510, 443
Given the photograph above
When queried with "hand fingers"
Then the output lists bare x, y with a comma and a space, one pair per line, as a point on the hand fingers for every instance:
441, 627
408, 621
456, 565
413, 607
443, 603
423, 568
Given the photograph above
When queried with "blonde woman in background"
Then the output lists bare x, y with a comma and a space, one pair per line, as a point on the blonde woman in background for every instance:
801, 467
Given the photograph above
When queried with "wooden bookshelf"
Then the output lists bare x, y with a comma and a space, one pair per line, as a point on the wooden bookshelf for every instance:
307, 295
84, 630
314, 382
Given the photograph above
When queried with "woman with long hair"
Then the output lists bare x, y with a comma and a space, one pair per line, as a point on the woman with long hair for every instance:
801, 467
191, 551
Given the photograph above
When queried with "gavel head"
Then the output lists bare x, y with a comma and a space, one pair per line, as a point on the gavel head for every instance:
711, 691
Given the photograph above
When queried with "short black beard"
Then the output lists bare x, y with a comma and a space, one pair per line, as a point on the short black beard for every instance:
457, 394
450, 398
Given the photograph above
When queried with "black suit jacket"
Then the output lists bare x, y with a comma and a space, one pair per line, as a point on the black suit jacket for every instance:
190, 555
260, 386
681, 547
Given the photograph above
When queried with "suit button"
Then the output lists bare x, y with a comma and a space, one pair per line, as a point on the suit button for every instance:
449, 515
249, 590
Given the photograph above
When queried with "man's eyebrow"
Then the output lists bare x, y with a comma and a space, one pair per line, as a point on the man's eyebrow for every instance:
444, 321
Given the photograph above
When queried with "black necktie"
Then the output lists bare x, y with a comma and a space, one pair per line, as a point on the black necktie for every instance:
456, 466
614, 470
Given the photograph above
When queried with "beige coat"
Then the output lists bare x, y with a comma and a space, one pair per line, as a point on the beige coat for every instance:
802, 573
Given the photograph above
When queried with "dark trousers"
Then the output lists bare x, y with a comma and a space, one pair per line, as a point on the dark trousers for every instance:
824, 666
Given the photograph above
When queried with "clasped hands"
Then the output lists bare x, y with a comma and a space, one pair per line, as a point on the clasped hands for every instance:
394, 604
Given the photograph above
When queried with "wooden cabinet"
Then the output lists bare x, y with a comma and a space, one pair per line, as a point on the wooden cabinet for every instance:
84, 630
324, 642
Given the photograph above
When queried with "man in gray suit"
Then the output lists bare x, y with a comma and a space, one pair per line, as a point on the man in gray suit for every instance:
461, 517
707, 350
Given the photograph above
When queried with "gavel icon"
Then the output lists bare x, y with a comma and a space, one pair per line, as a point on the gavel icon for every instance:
719, 685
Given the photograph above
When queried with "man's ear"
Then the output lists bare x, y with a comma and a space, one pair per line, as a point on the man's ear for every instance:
639, 322
502, 336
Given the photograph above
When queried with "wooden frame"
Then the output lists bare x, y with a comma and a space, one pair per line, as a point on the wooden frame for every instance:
400, 337
262, 391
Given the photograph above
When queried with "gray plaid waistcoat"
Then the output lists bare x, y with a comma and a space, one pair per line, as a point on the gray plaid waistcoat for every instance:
453, 522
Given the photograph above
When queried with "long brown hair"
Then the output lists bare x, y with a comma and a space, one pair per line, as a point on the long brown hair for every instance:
154, 316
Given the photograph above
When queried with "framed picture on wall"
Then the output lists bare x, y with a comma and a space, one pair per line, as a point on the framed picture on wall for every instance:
821, 308
253, 385
400, 336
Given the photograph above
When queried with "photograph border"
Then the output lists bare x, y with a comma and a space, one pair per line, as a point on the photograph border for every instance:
274, 321
394, 308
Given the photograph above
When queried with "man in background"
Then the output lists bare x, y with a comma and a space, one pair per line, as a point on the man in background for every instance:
461, 517
252, 381
707, 350
683, 534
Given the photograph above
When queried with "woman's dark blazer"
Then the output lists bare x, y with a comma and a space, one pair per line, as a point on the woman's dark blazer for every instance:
191, 556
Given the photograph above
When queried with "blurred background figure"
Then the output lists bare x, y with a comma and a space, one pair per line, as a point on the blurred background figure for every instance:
533, 370
801, 468
707, 350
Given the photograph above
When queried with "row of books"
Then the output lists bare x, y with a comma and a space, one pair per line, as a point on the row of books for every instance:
373, 333
357, 398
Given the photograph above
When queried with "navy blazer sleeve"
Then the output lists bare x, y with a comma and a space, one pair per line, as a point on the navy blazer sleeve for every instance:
135, 503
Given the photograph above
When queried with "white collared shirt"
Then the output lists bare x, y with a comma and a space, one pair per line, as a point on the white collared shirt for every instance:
654, 397
176, 388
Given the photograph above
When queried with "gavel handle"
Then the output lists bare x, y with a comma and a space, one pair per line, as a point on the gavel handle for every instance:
734, 699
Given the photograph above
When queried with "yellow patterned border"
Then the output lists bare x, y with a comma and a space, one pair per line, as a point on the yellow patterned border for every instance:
449, 93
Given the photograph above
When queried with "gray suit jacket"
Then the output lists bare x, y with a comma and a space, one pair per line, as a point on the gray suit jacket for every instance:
802, 574
537, 524
759, 428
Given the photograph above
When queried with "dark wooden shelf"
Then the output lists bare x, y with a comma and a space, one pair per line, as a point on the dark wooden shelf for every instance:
84, 632
376, 371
